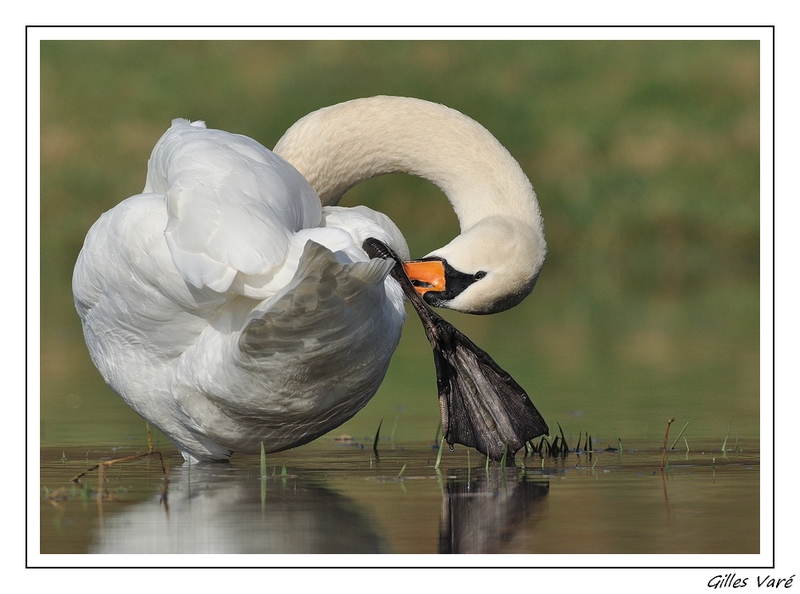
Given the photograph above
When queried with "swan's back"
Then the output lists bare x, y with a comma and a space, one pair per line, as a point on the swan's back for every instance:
232, 204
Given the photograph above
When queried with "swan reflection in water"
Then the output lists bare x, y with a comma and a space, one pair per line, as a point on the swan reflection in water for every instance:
217, 509
483, 512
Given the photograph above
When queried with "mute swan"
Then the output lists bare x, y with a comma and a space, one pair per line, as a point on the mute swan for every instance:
231, 303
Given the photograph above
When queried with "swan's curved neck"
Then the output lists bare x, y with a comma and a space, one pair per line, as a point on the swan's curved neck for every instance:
337, 147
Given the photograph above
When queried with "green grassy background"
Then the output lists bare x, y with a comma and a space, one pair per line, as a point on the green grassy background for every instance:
644, 155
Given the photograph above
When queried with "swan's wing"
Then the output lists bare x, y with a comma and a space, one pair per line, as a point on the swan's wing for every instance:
328, 304
232, 204
301, 361
309, 357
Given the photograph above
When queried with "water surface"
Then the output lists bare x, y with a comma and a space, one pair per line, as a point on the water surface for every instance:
340, 498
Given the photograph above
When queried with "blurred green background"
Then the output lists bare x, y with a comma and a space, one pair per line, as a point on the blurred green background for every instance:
644, 155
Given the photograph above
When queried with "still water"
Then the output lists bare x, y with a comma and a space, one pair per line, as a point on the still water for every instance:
340, 497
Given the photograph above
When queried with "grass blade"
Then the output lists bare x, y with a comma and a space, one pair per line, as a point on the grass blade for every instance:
564, 446
679, 435
725, 443
377, 435
263, 462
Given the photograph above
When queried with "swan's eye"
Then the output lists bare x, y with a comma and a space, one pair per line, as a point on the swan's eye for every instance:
479, 275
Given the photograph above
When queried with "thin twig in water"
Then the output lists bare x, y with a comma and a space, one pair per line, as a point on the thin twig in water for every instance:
100, 467
103, 465
666, 435
149, 438
76, 479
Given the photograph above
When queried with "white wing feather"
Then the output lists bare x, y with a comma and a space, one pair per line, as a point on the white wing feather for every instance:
232, 204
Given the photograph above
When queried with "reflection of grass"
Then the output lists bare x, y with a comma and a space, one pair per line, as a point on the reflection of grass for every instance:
645, 157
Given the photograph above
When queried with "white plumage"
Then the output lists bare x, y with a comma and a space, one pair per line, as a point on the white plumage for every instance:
229, 308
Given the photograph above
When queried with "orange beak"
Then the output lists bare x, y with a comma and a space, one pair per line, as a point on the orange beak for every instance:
426, 275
